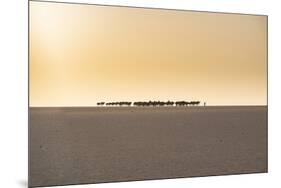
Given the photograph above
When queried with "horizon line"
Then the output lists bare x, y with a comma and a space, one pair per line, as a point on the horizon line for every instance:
141, 106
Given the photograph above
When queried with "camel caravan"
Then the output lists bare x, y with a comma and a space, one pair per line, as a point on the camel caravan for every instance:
150, 103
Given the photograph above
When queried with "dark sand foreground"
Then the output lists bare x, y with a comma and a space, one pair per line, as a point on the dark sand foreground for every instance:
105, 144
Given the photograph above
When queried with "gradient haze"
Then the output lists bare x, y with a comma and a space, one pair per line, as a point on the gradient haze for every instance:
83, 54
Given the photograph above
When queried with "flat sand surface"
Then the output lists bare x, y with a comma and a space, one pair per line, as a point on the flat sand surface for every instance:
72, 145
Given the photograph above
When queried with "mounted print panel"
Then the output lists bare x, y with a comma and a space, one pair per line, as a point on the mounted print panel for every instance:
124, 93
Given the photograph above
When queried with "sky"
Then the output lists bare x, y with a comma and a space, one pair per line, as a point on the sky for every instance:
84, 54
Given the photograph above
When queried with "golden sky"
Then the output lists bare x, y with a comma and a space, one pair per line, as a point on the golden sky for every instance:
83, 54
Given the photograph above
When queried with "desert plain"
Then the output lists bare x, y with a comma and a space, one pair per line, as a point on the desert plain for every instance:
77, 145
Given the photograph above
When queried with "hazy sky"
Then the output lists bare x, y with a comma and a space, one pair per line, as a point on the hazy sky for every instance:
83, 54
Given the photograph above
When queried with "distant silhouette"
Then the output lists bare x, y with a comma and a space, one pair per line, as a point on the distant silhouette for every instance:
123, 103
184, 103
151, 103
100, 103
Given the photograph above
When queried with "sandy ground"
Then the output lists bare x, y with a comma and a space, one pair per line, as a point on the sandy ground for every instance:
105, 144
